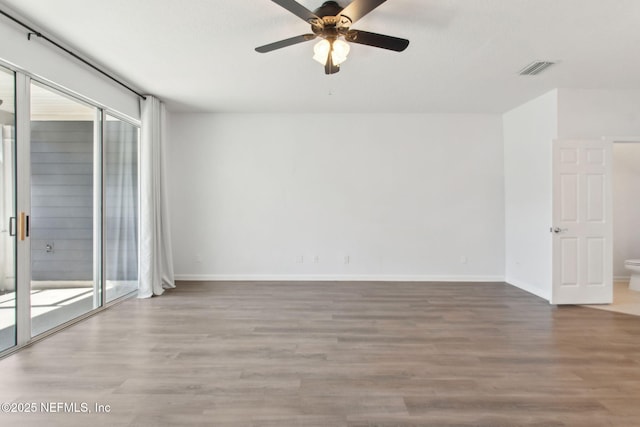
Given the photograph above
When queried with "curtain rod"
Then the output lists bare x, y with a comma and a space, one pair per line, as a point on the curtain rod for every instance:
38, 34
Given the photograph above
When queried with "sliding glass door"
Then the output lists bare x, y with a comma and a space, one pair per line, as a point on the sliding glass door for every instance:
120, 207
69, 208
7, 211
64, 221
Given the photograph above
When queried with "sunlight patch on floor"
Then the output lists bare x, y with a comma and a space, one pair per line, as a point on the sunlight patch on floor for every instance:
50, 296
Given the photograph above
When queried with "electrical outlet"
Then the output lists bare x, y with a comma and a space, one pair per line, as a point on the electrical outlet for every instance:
300, 259
347, 259
463, 259
316, 259
198, 259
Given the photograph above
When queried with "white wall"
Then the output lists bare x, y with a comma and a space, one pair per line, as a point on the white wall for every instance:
588, 113
626, 205
528, 134
403, 196
48, 63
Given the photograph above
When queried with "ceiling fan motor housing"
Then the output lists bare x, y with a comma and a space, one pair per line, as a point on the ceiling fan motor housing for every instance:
328, 8
330, 21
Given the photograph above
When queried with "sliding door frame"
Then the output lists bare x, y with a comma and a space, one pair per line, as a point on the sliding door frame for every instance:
23, 204
22, 186
99, 286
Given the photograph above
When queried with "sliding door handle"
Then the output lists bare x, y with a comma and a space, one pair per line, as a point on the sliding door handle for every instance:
12, 226
23, 226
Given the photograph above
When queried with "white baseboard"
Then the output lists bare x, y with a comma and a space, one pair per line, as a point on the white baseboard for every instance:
621, 278
531, 289
335, 278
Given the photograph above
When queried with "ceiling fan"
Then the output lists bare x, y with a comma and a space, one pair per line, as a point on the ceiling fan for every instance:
332, 23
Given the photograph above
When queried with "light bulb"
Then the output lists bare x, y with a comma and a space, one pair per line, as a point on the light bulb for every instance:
321, 51
338, 53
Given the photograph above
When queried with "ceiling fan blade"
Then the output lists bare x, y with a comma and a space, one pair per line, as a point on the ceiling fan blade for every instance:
286, 42
359, 8
377, 40
297, 9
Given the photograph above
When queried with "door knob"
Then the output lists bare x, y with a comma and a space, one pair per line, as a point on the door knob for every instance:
558, 230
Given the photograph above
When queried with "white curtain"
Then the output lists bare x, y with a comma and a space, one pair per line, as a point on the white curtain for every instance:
121, 207
156, 259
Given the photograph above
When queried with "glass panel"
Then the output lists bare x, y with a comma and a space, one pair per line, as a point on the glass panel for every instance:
63, 279
7, 211
121, 207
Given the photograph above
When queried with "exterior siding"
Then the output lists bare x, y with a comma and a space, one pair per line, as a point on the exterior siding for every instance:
62, 201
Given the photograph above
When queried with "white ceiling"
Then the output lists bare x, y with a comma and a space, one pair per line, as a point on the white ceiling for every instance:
198, 55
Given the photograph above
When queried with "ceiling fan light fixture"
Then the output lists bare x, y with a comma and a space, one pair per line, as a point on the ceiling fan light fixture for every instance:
321, 51
339, 52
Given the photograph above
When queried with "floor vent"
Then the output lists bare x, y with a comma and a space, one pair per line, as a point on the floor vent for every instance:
535, 68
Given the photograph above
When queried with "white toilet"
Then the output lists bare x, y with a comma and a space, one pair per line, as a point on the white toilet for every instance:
633, 265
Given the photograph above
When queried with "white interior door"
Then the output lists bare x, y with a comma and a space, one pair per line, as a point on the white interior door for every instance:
582, 224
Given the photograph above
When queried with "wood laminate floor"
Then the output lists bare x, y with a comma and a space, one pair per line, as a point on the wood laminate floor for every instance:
335, 354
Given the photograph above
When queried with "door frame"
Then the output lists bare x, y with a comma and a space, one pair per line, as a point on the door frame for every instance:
22, 188
619, 140
23, 204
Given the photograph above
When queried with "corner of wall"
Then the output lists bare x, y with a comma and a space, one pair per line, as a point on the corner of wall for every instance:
529, 130
534, 290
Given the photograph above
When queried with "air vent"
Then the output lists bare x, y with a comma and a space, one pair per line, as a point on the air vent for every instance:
535, 68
